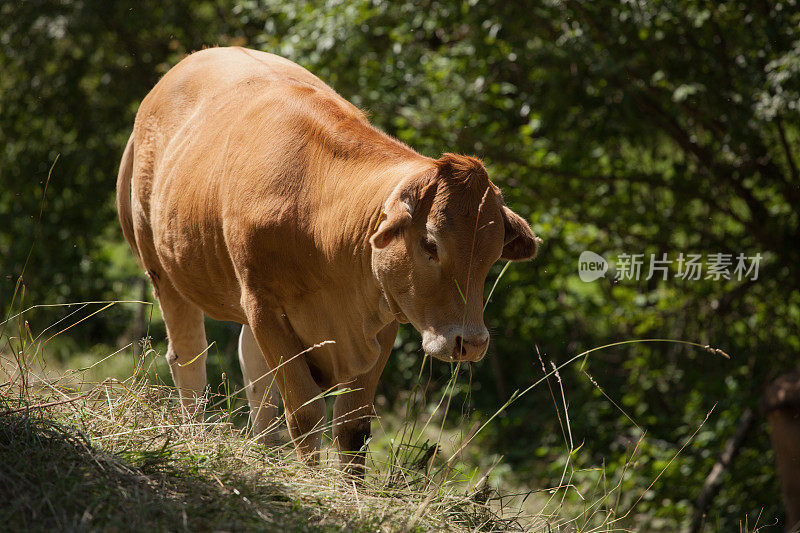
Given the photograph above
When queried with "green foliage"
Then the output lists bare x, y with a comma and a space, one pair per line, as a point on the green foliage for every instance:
73, 75
617, 127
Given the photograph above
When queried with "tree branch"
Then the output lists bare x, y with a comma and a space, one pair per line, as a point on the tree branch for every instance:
714, 480
787, 150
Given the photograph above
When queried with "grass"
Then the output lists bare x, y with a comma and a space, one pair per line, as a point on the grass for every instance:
119, 455
58, 477
79, 450
83, 453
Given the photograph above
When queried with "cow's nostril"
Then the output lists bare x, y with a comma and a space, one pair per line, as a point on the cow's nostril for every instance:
460, 348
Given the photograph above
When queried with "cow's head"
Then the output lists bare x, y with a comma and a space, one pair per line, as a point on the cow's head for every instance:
440, 233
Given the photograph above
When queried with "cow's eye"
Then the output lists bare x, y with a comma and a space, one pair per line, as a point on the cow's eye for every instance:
429, 247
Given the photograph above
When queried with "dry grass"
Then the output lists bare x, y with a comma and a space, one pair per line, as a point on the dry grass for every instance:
116, 454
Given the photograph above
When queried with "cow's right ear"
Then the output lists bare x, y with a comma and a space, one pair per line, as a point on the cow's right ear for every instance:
398, 211
395, 218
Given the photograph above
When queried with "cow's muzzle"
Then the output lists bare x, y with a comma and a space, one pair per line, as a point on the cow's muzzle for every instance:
451, 344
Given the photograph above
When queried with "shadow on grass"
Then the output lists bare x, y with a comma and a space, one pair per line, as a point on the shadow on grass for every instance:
53, 478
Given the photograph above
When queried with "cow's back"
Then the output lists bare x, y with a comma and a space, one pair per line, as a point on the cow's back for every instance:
208, 94
222, 74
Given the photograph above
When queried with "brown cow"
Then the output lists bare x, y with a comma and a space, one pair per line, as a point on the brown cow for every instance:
781, 404
250, 191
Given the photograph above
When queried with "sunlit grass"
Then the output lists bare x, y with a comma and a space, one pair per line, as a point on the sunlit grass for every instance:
113, 417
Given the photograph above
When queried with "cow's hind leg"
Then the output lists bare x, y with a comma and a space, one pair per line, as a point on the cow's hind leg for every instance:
262, 391
186, 353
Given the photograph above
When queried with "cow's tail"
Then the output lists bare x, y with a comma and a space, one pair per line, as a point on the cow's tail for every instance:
124, 198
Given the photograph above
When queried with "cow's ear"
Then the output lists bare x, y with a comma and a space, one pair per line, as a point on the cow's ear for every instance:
398, 210
393, 219
520, 242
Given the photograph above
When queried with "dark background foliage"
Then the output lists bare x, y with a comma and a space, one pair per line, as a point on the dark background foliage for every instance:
617, 127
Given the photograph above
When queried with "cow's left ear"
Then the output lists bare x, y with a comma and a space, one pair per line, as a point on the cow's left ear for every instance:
520, 242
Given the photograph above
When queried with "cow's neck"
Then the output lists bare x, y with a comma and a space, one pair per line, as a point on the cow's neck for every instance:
352, 195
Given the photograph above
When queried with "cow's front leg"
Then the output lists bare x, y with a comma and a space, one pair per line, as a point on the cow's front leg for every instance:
306, 421
353, 411
352, 429
302, 397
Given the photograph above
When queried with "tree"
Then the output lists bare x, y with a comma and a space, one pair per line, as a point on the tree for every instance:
73, 74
